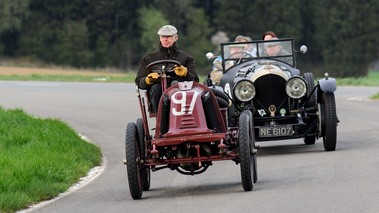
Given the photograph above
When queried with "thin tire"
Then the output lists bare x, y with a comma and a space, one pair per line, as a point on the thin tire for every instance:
133, 161
146, 170
246, 158
330, 121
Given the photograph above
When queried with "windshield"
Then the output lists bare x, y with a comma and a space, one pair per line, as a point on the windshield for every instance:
235, 53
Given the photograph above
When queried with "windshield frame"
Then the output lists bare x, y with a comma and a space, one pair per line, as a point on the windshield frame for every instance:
287, 56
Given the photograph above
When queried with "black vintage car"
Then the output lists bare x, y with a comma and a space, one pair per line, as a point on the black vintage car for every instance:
262, 76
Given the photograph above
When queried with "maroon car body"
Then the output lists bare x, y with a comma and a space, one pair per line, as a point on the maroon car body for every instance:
191, 131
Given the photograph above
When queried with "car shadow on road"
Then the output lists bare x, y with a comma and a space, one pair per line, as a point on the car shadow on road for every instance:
269, 148
194, 190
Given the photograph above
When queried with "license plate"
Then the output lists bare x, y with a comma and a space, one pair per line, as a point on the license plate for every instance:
275, 131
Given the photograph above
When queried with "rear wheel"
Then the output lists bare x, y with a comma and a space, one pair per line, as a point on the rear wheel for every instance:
328, 118
133, 161
247, 161
146, 170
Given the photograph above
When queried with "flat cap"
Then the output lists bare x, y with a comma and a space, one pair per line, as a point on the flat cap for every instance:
167, 30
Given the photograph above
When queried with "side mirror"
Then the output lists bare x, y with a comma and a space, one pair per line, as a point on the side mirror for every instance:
210, 56
303, 49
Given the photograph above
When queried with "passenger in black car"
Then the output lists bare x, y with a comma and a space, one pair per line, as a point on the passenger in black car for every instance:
275, 49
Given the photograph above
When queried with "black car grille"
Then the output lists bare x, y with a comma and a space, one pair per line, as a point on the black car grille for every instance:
270, 90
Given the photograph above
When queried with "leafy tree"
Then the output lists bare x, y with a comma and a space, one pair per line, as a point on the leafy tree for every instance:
348, 36
176, 12
150, 20
72, 45
101, 52
230, 17
198, 35
12, 14
342, 36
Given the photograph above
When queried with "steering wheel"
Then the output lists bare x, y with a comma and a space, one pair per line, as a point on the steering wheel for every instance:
243, 53
161, 66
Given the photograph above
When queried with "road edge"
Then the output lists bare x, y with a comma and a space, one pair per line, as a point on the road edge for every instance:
91, 175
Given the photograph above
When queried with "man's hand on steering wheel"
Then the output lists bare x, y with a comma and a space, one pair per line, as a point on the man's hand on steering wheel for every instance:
152, 78
181, 71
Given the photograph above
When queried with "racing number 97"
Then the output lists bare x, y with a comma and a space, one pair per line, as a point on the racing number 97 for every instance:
183, 103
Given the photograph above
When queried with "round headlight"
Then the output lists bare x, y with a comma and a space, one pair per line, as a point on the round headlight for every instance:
244, 90
217, 63
296, 88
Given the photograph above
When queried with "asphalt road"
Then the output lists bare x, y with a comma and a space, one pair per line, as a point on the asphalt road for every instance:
292, 177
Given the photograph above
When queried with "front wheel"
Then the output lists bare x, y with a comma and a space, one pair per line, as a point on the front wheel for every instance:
247, 160
328, 122
146, 170
133, 161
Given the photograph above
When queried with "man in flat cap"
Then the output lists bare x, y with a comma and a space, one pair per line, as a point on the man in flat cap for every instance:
167, 50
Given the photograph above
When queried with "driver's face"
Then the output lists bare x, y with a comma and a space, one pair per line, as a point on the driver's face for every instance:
168, 41
273, 50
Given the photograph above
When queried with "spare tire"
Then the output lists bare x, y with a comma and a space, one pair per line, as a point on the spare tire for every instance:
221, 96
311, 85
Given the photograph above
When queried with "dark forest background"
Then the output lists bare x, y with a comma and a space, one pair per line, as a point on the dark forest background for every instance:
342, 36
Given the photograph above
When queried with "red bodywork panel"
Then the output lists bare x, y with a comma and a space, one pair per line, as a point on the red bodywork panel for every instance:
187, 118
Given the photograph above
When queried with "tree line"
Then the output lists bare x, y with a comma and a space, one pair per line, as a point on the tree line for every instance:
342, 36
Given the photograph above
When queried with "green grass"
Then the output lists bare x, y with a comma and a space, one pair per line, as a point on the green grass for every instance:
39, 158
376, 96
70, 78
372, 79
127, 78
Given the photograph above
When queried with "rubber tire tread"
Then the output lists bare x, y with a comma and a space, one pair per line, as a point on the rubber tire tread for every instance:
133, 169
253, 144
330, 117
220, 94
311, 85
244, 149
221, 102
145, 171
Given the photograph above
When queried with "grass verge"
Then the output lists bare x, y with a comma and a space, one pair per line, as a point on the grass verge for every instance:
70, 78
372, 80
126, 78
39, 158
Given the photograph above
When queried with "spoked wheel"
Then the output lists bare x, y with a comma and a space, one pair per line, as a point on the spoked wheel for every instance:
133, 161
328, 118
146, 170
247, 160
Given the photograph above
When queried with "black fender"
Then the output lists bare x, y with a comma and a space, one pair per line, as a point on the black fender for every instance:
327, 85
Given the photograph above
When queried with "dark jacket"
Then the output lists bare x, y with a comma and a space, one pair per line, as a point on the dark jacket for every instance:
163, 53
